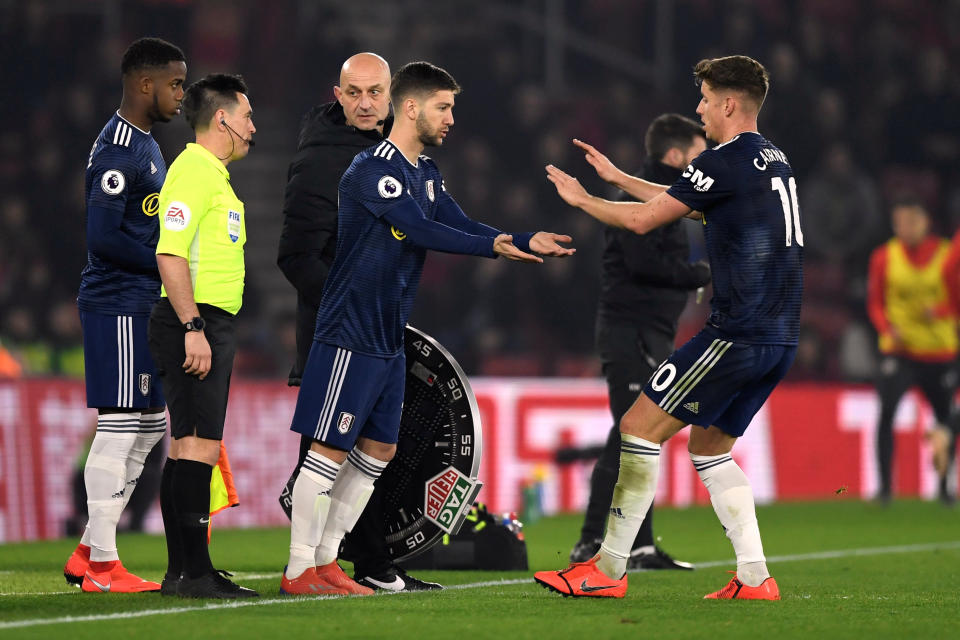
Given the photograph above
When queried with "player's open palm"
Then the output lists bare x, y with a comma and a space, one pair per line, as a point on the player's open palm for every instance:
607, 171
199, 358
568, 187
503, 246
547, 244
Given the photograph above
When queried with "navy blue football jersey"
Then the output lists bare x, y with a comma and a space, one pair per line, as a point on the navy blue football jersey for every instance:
374, 277
747, 193
125, 172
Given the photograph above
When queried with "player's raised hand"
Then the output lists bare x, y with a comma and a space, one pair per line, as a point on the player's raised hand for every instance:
568, 187
546, 244
199, 357
607, 171
503, 246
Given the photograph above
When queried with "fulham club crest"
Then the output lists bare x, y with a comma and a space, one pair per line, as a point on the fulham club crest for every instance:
345, 422
430, 193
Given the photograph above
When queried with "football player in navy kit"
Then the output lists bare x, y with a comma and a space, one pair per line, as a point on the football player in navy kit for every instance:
118, 288
717, 381
393, 207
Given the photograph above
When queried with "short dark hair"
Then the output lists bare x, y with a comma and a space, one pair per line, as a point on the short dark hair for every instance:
740, 73
908, 200
208, 94
420, 79
148, 53
668, 131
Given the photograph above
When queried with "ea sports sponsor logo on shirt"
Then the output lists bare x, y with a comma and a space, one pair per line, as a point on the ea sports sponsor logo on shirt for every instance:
389, 187
177, 216
700, 181
112, 182
447, 498
430, 193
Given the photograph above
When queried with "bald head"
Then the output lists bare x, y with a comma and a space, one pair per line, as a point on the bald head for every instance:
364, 91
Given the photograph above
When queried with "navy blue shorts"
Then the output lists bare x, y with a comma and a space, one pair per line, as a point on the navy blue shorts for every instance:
119, 368
713, 381
346, 395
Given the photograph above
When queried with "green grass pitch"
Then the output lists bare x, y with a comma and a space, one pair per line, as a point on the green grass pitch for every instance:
846, 569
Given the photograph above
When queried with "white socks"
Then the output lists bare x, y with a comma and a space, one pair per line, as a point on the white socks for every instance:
119, 449
152, 428
105, 476
632, 497
350, 494
311, 503
732, 500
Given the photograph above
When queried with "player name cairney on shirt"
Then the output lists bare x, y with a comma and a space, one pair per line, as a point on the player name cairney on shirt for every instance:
747, 193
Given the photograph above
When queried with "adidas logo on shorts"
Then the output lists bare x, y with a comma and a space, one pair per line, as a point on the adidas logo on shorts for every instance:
692, 407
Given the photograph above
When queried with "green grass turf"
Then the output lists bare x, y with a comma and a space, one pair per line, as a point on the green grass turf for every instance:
885, 594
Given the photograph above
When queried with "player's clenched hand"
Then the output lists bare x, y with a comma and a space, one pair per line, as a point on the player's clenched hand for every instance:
607, 171
199, 357
568, 187
503, 246
546, 243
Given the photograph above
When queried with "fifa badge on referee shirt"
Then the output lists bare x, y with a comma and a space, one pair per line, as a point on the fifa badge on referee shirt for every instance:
233, 225
345, 422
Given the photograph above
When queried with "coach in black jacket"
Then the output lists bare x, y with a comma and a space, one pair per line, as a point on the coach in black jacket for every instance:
644, 284
330, 136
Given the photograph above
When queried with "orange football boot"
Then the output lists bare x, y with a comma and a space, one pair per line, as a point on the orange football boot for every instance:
77, 565
332, 575
309, 583
583, 579
736, 590
113, 577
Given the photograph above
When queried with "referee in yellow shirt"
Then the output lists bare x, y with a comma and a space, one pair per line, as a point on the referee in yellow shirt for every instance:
192, 333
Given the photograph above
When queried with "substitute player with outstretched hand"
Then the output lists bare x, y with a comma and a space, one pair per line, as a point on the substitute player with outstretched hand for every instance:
717, 381
393, 207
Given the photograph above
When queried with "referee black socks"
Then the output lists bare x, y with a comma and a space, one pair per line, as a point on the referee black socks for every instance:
191, 496
170, 522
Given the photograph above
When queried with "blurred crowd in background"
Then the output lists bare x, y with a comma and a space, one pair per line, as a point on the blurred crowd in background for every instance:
863, 101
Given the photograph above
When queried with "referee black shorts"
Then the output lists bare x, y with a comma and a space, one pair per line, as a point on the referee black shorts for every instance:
197, 407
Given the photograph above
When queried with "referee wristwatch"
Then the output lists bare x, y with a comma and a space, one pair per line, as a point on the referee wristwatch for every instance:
195, 324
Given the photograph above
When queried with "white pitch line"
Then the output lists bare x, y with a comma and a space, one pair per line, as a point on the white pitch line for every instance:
845, 553
820, 555
41, 593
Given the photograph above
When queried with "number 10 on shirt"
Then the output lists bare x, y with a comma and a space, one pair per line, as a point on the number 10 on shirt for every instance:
789, 202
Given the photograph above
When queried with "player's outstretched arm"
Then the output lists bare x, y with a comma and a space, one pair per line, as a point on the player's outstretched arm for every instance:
503, 246
541, 242
642, 190
407, 217
638, 217
547, 244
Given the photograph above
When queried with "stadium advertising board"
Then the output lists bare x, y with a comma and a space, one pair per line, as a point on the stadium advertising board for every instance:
808, 442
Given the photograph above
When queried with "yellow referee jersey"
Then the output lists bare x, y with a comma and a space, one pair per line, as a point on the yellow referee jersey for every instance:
203, 222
